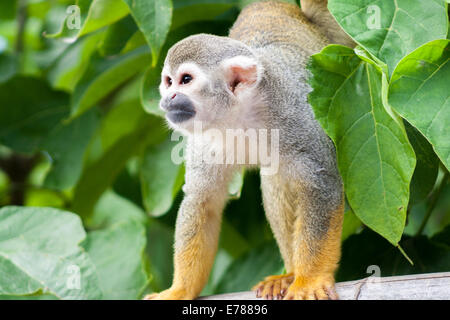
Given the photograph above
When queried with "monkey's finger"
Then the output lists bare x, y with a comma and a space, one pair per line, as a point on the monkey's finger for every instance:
267, 291
331, 292
258, 291
276, 288
320, 294
285, 283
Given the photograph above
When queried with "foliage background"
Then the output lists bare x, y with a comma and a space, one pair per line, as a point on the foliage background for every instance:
85, 173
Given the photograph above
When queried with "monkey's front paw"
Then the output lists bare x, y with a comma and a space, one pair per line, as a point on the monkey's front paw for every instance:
273, 287
169, 294
316, 288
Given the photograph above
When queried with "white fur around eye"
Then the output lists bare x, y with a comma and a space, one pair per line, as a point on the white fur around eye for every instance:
198, 76
163, 89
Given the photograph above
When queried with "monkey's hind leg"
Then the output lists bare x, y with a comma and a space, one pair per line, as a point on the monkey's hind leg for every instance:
279, 212
317, 232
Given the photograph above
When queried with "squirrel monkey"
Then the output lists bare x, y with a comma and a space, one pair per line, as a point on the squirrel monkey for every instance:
256, 78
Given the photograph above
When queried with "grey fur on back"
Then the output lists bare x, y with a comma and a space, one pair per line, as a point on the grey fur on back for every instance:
284, 55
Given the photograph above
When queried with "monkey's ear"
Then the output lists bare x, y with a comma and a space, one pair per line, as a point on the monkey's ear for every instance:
241, 72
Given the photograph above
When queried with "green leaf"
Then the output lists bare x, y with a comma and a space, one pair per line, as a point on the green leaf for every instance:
251, 268
103, 75
150, 91
8, 9
112, 209
93, 15
427, 167
102, 13
153, 19
117, 35
231, 240
375, 158
40, 252
8, 67
66, 144
35, 122
351, 225
27, 119
390, 29
160, 177
117, 253
186, 11
67, 70
419, 93
125, 131
160, 239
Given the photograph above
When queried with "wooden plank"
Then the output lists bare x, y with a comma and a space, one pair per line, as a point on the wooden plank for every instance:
429, 286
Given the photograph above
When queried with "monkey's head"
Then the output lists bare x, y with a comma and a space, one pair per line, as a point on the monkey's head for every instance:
210, 79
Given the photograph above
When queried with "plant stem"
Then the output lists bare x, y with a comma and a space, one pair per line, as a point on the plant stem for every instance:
22, 15
433, 201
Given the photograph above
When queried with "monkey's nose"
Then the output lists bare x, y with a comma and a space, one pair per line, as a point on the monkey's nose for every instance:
180, 108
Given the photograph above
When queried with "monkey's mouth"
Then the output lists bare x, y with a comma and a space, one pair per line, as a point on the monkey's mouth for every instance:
180, 114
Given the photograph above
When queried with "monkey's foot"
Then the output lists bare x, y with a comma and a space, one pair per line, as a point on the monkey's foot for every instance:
169, 294
314, 288
273, 287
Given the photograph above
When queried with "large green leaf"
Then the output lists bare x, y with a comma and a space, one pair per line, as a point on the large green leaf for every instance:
117, 253
112, 209
40, 253
8, 66
419, 93
153, 19
67, 70
26, 119
150, 91
117, 35
427, 167
350, 225
125, 131
103, 75
66, 145
160, 239
390, 29
8, 9
374, 155
186, 11
35, 121
161, 178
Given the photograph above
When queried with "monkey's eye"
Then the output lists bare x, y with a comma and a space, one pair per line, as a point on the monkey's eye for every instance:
168, 81
185, 78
